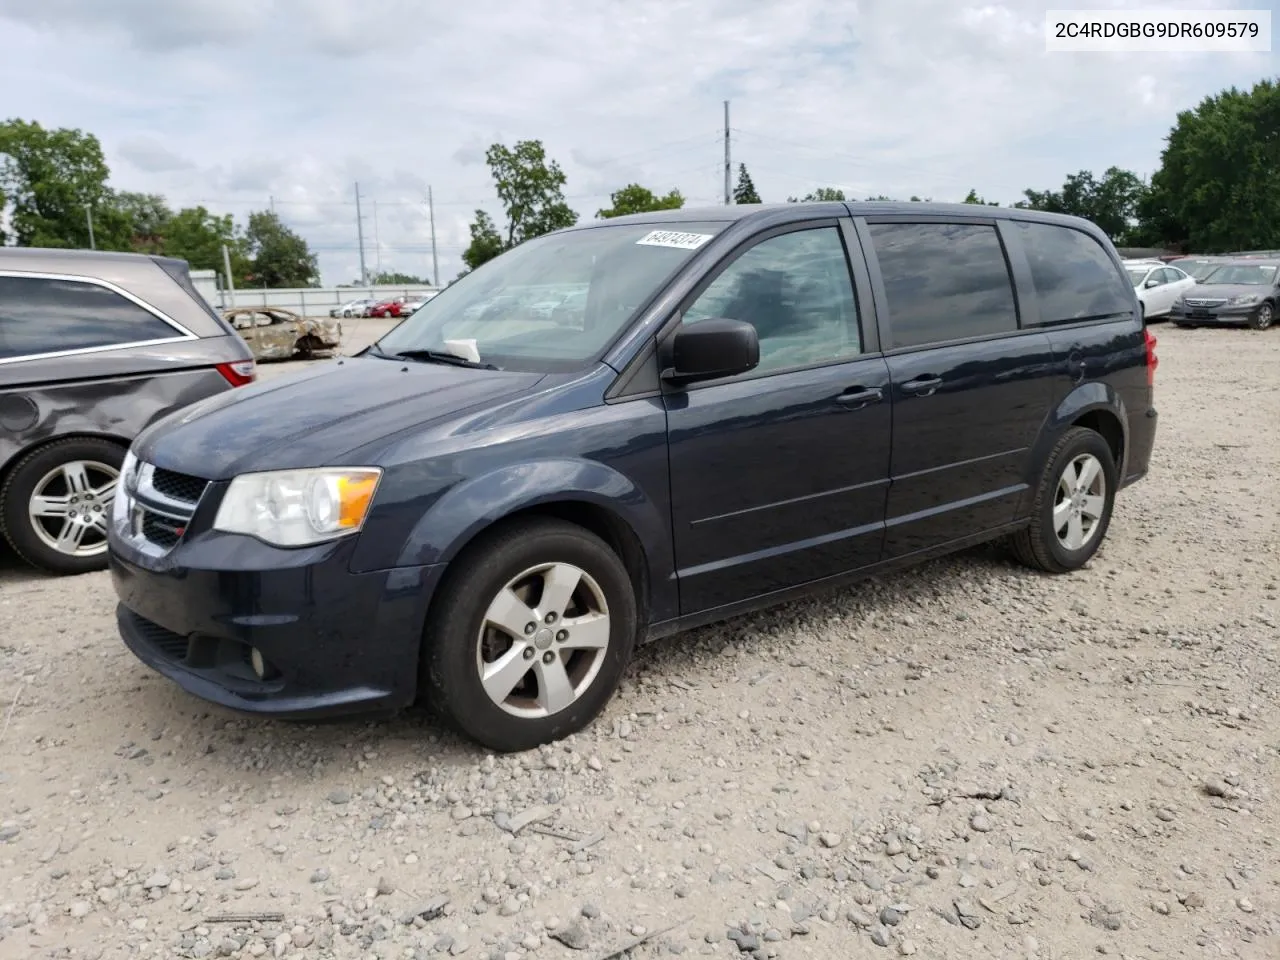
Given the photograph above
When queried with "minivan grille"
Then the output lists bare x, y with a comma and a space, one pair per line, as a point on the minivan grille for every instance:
179, 486
162, 504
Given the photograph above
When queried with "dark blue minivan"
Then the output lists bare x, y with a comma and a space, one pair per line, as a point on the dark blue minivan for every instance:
624, 429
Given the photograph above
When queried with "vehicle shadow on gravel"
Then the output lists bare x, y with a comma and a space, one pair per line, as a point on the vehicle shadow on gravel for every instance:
16, 571
687, 661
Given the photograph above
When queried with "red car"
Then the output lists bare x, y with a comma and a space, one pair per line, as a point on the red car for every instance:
387, 308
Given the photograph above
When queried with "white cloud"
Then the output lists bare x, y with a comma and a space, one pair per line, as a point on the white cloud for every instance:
232, 102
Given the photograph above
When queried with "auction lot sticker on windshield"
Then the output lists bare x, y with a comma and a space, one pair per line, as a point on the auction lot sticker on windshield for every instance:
672, 238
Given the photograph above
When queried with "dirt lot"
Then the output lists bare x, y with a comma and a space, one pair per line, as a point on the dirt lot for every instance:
967, 760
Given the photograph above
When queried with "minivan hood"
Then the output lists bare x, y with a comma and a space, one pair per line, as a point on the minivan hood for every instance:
314, 417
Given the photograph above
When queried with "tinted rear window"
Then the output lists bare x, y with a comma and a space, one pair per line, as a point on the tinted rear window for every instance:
1074, 277
944, 281
39, 315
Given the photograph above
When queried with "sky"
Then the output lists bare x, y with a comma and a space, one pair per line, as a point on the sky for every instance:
235, 103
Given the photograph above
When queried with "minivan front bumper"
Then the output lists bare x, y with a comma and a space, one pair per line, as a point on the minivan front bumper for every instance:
332, 642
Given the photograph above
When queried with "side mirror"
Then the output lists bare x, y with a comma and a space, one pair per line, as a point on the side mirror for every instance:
716, 347
1153, 282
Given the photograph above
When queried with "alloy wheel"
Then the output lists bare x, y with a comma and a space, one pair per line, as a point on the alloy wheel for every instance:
1080, 502
70, 507
543, 640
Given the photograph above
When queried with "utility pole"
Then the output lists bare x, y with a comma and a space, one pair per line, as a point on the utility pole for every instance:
431, 212
88, 216
377, 245
364, 274
231, 284
273, 203
728, 195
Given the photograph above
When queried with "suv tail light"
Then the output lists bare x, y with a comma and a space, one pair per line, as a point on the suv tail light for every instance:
238, 372
1152, 360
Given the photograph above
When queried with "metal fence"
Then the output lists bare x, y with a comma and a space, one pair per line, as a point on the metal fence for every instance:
309, 301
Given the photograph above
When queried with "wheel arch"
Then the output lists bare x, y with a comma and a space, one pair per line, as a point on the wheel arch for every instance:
587, 493
21, 453
1096, 406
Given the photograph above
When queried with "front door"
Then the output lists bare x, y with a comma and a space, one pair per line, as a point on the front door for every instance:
970, 390
778, 476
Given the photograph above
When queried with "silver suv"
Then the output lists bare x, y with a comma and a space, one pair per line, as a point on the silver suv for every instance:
93, 348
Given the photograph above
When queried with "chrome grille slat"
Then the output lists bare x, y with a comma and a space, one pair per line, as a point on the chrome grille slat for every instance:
161, 505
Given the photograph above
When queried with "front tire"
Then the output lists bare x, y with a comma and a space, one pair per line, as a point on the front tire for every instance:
1072, 506
1263, 318
56, 503
532, 631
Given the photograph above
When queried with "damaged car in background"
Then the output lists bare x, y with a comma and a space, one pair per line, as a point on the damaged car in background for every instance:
274, 333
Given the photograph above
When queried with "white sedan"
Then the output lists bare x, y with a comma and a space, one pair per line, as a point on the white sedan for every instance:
1158, 286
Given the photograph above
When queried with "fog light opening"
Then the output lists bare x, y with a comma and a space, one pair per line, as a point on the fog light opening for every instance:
262, 668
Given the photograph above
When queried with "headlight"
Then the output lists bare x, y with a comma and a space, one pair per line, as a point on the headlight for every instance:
1244, 301
128, 474
294, 508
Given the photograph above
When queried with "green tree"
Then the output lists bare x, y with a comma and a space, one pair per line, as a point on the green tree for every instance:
1218, 185
197, 236
278, 256
634, 198
972, 197
745, 191
879, 197
1112, 202
486, 242
47, 180
531, 189
820, 195
137, 222
389, 278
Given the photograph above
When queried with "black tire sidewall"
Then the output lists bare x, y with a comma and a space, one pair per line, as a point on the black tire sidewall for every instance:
450, 677
15, 496
1257, 323
1090, 442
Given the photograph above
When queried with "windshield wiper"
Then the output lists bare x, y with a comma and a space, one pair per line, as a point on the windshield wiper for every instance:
440, 356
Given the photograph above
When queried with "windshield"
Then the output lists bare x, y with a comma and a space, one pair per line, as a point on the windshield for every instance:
1260, 274
1196, 269
554, 302
1137, 274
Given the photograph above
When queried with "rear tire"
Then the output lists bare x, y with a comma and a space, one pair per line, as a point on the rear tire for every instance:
39, 517
1072, 507
508, 673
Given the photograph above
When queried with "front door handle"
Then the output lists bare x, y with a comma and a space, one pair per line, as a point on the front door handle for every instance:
857, 397
922, 386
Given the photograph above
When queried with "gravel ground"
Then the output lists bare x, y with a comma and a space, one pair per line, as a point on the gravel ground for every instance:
965, 760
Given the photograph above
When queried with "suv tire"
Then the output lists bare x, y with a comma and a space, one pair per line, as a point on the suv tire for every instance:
555, 662
45, 471
1072, 507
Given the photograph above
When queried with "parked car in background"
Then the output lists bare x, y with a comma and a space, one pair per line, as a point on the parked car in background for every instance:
94, 347
1157, 286
353, 308
274, 333
410, 306
1196, 267
1237, 292
762, 401
387, 308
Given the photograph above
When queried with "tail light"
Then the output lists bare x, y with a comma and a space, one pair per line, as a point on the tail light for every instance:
238, 372
1152, 360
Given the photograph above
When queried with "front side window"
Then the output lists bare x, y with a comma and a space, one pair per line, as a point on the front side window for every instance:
795, 289
1074, 277
40, 315
944, 281
555, 302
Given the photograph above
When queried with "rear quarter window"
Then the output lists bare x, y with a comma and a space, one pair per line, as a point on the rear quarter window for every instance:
41, 315
1074, 277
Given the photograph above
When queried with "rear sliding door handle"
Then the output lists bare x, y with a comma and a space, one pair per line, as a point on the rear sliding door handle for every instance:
856, 397
922, 386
